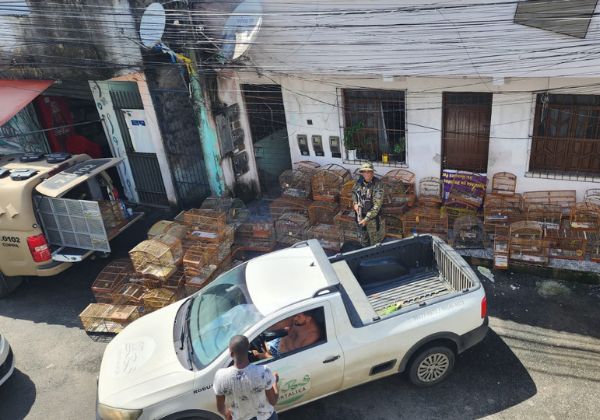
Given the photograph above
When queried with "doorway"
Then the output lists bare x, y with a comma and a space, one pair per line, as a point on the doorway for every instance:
268, 127
466, 131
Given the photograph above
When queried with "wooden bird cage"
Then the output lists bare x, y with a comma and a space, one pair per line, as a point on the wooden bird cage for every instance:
291, 228
346, 194
526, 243
329, 236
327, 182
549, 215
205, 219
106, 318
501, 248
167, 227
322, 212
234, 208
425, 220
393, 226
157, 299
407, 179
129, 294
295, 183
468, 233
346, 221
282, 205
504, 183
113, 275
592, 197
585, 216
454, 210
225, 235
566, 243
564, 198
501, 211
430, 192
259, 236
593, 245
157, 257
307, 165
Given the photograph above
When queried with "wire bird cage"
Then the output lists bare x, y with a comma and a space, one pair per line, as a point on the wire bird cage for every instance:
291, 228
322, 212
157, 298
526, 243
425, 220
346, 194
327, 182
234, 208
329, 236
295, 183
592, 197
504, 183
346, 221
282, 205
157, 257
566, 243
548, 215
585, 217
564, 198
430, 192
258, 236
113, 275
454, 210
107, 318
468, 233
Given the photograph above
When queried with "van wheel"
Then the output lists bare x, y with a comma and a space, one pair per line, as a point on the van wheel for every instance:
431, 366
8, 284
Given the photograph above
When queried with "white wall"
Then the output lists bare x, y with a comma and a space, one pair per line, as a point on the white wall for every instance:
411, 37
315, 98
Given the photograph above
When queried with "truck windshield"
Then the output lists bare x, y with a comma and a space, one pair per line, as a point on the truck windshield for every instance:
221, 310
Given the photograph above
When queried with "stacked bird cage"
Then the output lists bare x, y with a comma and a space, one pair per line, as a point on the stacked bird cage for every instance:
564, 198
585, 217
566, 243
291, 228
157, 257
129, 294
258, 236
157, 298
504, 183
455, 209
176, 284
398, 187
113, 275
592, 197
234, 208
282, 205
430, 192
307, 165
107, 318
112, 213
327, 182
593, 245
346, 221
296, 182
322, 212
500, 211
425, 220
526, 243
549, 215
346, 195
329, 236
206, 225
468, 233
167, 227
393, 226
501, 247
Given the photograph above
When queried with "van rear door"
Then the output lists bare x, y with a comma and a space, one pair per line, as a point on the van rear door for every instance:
79, 227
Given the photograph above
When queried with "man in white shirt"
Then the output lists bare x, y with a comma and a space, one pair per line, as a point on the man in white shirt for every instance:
245, 391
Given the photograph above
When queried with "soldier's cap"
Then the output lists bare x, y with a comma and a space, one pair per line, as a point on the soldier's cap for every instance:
367, 166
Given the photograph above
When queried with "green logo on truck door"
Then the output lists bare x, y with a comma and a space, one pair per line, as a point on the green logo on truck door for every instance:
291, 390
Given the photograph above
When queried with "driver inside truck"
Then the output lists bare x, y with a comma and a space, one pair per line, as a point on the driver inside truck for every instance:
302, 331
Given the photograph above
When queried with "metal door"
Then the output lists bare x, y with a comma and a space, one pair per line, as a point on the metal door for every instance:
466, 131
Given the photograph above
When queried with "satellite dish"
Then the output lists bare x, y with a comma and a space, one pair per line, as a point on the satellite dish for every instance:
152, 26
241, 29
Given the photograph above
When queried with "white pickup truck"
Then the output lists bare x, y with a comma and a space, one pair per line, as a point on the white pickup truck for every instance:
404, 306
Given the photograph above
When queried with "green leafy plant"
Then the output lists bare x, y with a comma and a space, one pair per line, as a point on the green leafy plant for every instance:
349, 133
399, 148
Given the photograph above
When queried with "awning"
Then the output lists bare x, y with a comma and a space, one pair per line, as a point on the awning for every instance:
17, 94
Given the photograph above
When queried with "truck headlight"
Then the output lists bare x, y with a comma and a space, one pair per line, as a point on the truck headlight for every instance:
110, 413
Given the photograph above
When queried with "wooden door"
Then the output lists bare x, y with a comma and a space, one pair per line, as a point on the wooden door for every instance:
466, 131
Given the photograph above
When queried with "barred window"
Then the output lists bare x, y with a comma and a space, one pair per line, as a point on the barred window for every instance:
375, 124
566, 135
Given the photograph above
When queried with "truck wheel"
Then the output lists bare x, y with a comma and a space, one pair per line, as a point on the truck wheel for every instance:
8, 284
431, 366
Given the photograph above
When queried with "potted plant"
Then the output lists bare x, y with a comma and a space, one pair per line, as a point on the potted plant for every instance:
349, 141
399, 151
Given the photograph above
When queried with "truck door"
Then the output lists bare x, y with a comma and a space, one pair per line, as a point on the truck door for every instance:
312, 370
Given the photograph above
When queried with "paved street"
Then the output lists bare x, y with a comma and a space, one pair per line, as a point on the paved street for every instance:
542, 359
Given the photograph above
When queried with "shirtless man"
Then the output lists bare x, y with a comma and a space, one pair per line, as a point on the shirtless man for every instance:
302, 330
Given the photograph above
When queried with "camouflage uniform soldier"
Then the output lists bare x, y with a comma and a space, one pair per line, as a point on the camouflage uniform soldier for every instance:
367, 199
